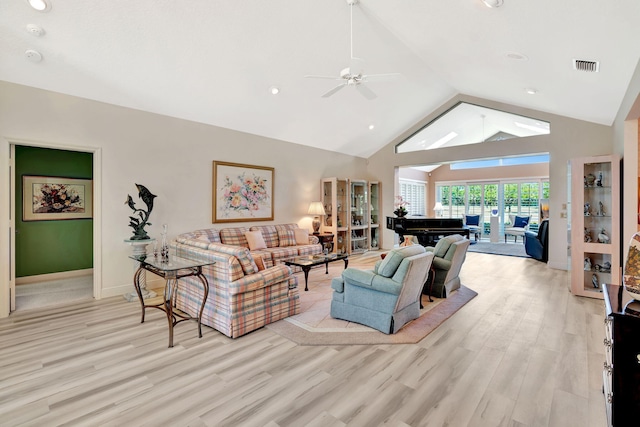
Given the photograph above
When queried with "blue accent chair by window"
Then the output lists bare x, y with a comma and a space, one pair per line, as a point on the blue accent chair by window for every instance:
537, 244
387, 297
519, 224
472, 222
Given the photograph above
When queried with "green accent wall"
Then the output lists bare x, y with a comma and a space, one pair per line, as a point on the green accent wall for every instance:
51, 246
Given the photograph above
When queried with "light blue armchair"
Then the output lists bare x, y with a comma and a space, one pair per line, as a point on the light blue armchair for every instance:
387, 297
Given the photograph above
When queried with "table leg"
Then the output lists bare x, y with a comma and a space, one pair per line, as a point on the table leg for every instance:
346, 263
168, 306
205, 285
326, 267
306, 277
136, 285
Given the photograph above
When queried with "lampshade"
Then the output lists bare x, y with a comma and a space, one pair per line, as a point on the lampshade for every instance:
316, 208
437, 207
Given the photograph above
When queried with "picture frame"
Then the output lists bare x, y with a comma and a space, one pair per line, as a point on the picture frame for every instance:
242, 193
51, 198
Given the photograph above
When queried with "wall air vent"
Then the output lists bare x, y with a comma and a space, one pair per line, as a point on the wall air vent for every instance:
588, 66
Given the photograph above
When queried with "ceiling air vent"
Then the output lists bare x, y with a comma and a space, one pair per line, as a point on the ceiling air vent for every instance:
588, 66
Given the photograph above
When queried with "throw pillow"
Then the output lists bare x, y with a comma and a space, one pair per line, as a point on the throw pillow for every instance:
521, 221
255, 240
259, 262
472, 219
287, 237
301, 235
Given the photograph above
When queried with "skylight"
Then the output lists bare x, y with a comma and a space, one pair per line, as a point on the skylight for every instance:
506, 161
472, 124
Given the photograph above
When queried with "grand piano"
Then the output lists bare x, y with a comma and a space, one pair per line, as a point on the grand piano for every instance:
427, 230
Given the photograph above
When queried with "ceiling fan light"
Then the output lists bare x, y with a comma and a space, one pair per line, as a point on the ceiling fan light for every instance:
40, 5
493, 3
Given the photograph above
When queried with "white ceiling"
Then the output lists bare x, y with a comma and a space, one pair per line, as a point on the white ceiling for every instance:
213, 61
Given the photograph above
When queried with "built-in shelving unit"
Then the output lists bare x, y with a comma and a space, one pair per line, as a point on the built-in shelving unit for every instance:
594, 224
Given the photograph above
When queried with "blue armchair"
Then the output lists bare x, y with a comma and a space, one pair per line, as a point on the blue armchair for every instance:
387, 297
537, 245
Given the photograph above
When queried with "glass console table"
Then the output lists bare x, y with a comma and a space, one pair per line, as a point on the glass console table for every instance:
171, 270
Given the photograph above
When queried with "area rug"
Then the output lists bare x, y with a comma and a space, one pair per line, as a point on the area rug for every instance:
315, 326
507, 249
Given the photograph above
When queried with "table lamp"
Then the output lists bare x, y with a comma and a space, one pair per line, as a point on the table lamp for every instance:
316, 208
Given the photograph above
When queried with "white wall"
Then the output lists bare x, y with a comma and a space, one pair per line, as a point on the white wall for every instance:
172, 157
626, 143
569, 138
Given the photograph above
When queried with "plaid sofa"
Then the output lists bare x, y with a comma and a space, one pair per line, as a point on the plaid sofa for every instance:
242, 298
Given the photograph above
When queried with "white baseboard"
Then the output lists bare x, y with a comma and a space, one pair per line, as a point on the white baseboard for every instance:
53, 276
128, 288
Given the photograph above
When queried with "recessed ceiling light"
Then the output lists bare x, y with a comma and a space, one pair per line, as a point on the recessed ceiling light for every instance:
274, 90
35, 30
40, 5
493, 3
33, 55
371, 127
531, 91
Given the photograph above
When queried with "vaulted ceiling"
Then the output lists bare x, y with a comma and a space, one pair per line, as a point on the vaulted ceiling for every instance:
214, 61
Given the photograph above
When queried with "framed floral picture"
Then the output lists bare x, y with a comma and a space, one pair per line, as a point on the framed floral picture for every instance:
242, 193
46, 198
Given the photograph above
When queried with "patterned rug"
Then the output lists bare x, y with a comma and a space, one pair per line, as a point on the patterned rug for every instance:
314, 325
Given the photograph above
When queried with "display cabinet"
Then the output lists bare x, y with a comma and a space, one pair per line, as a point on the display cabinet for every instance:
359, 226
352, 214
594, 224
374, 208
335, 192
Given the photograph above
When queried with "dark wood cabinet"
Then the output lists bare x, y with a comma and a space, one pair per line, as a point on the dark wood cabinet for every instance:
621, 373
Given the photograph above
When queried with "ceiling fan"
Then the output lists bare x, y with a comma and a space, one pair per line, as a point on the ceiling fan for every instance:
352, 75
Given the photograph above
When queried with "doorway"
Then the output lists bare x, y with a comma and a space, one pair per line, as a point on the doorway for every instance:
52, 261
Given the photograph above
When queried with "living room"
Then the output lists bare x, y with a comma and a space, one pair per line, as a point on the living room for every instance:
173, 157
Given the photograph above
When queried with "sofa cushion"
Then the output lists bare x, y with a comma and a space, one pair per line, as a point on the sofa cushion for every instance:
234, 236
472, 219
269, 234
302, 236
255, 240
521, 221
390, 263
259, 262
286, 237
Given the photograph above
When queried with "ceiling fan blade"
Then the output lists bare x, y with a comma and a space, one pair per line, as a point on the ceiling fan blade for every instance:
381, 77
366, 92
334, 90
323, 77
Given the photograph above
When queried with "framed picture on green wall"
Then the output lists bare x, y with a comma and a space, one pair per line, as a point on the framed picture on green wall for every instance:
46, 198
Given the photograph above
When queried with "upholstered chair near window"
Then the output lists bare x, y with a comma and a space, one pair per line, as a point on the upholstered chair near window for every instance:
519, 224
472, 222
387, 297
449, 255
536, 245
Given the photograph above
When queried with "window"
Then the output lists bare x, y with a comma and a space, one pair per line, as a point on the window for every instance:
414, 192
506, 198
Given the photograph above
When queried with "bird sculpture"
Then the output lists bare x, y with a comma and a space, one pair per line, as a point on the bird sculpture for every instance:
136, 223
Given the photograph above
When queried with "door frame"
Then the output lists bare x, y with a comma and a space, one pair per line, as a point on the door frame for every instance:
7, 215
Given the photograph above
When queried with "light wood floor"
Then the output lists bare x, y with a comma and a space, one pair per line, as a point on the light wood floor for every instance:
525, 352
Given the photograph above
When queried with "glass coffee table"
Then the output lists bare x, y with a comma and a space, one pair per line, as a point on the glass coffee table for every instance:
306, 262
